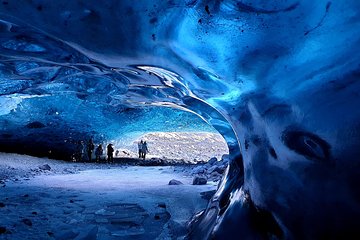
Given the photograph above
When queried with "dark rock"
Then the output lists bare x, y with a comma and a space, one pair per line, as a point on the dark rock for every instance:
45, 167
27, 222
157, 217
67, 170
175, 182
215, 174
221, 170
217, 169
225, 158
51, 234
212, 161
2, 230
199, 180
71, 201
2, 205
34, 213
26, 195
198, 170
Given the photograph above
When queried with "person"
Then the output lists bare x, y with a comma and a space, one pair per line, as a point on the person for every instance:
99, 152
90, 148
110, 152
140, 144
117, 152
144, 150
79, 151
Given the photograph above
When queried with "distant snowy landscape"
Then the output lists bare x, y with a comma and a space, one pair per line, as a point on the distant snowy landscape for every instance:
188, 146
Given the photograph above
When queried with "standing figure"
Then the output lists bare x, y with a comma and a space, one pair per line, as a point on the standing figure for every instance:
140, 145
144, 150
90, 149
110, 151
99, 152
79, 151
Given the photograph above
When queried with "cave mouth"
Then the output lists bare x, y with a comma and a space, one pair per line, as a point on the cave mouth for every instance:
55, 91
100, 201
53, 127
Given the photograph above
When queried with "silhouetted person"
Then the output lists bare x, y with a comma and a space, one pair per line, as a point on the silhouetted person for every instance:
140, 145
110, 152
144, 150
79, 151
117, 152
90, 149
99, 151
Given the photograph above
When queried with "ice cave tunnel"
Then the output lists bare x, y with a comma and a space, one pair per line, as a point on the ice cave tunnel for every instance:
277, 79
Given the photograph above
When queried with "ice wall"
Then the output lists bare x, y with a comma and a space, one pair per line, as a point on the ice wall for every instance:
278, 79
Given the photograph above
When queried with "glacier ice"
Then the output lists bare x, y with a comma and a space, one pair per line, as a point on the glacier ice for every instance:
278, 79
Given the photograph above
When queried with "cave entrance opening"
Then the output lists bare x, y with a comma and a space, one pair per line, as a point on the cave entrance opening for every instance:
175, 146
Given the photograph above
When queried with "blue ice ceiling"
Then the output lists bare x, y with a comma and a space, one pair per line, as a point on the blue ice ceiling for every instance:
278, 79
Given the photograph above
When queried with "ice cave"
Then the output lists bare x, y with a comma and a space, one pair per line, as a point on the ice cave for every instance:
276, 79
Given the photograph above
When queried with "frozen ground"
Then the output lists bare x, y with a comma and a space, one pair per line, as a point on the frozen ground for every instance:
16, 166
97, 202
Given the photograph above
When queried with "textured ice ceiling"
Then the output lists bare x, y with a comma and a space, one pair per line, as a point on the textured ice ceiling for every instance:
278, 79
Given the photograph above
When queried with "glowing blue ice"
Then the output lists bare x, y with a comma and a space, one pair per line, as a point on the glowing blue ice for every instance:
279, 80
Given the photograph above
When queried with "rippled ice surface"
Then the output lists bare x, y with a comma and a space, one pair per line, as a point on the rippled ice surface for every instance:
107, 203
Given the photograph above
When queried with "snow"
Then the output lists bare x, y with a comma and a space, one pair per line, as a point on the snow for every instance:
86, 203
191, 147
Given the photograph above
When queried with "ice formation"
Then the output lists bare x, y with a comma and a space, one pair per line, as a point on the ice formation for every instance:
278, 79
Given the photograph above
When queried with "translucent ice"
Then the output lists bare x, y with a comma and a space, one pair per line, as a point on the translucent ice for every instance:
278, 79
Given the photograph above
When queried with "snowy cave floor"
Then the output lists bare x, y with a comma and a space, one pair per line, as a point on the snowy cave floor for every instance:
94, 201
